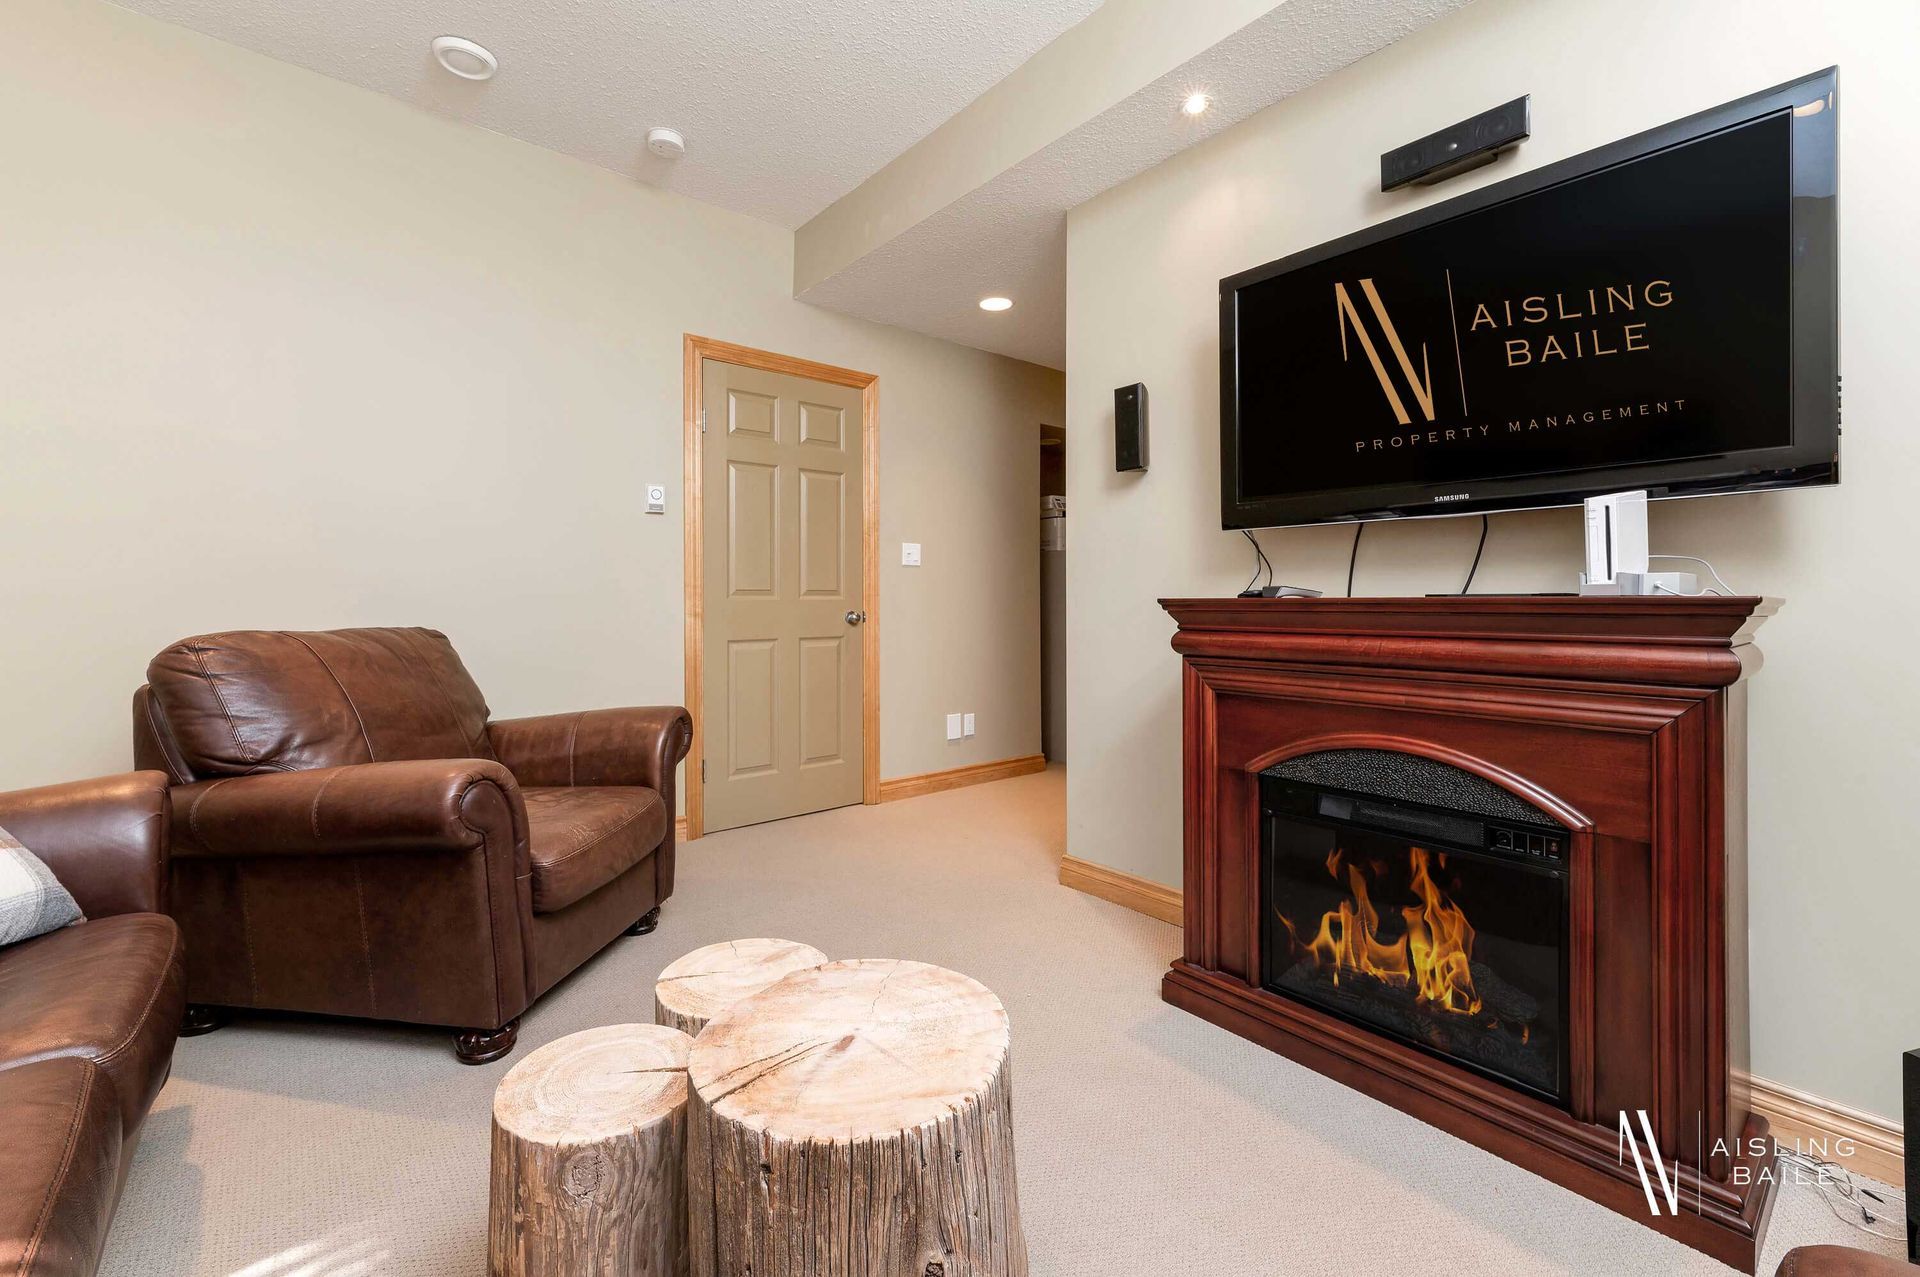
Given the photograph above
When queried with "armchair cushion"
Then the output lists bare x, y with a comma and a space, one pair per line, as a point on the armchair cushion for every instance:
418, 805
582, 838
109, 990
271, 700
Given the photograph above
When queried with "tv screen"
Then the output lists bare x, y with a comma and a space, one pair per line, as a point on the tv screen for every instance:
1658, 314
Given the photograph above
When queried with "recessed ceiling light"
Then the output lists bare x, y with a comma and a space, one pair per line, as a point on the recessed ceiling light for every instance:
1196, 104
464, 58
996, 303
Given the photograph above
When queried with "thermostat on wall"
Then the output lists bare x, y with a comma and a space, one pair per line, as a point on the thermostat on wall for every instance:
656, 498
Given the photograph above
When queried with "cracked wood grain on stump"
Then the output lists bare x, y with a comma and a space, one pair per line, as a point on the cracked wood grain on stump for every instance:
701, 985
589, 1157
854, 1118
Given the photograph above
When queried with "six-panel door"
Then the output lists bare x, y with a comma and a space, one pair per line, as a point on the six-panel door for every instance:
783, 590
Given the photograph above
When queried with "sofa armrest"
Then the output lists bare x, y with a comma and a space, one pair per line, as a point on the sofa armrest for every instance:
417, 805
634, 746
104, 839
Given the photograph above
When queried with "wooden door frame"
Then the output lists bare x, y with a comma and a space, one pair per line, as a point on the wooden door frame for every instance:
694, 350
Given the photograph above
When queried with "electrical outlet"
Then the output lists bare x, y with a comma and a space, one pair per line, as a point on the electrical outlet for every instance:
953, 727
966, 725
909, 554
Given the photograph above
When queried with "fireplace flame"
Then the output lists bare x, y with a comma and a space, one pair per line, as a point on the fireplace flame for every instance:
1434, 956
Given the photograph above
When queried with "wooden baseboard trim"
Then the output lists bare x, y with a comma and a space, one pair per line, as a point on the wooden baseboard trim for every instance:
978, 774
934, 782
1862, 1142
1142, 895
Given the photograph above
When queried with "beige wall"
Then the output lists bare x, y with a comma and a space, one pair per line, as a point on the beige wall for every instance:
1835, 746
275, 351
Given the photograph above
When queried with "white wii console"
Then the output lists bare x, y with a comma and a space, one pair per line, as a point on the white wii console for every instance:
1617, 555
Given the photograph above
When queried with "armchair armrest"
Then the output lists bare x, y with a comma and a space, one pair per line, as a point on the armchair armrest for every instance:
428, 804
104, 839
634, 746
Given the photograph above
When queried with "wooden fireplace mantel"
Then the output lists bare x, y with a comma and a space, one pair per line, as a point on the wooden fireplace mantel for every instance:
1623, 718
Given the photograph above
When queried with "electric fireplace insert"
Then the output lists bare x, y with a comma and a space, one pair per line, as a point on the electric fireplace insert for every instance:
1422, 902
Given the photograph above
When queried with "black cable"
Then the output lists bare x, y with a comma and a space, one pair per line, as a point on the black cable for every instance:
1259, 560
1354, 556
1477, 552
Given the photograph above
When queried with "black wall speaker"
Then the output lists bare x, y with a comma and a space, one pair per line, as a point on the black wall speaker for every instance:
1130, 427
1467, 145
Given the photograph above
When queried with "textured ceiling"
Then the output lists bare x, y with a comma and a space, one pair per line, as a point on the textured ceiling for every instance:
785, 104
1008, 236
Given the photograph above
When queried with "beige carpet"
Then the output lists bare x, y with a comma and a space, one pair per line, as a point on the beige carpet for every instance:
1149, 1142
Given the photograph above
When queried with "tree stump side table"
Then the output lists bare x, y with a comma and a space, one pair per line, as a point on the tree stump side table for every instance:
589, 1169
854, 1118
699, 986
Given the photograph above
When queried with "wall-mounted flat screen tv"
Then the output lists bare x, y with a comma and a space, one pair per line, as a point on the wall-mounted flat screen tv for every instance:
1661, 313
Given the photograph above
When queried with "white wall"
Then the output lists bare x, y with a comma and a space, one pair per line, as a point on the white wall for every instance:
275, 351
1836, 712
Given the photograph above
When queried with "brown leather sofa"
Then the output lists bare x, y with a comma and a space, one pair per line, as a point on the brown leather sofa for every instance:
1838, 1261
88, 1018
352, 836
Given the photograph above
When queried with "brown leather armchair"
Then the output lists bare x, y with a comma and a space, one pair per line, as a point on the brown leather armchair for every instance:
88, 1017
353, 837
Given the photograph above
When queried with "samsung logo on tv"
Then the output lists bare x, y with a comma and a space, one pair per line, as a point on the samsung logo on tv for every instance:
1456, 496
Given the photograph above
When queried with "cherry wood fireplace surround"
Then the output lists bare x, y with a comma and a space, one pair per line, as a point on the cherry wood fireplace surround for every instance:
1624, 718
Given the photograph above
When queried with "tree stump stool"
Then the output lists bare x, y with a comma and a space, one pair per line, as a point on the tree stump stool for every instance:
855, 1118
707, 981
589, 1166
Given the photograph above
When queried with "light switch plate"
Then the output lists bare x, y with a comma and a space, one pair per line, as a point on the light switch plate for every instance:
953, 727
966, 725
909, 554
656, 498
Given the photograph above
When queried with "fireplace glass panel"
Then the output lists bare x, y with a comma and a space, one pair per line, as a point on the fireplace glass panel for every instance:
1452, 940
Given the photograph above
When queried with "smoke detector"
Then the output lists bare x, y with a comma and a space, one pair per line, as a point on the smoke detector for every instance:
666, 143
464, 58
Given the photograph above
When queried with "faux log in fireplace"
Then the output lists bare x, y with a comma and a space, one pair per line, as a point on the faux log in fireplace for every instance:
1483, 858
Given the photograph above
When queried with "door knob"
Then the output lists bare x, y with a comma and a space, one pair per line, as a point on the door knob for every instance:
854, 618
